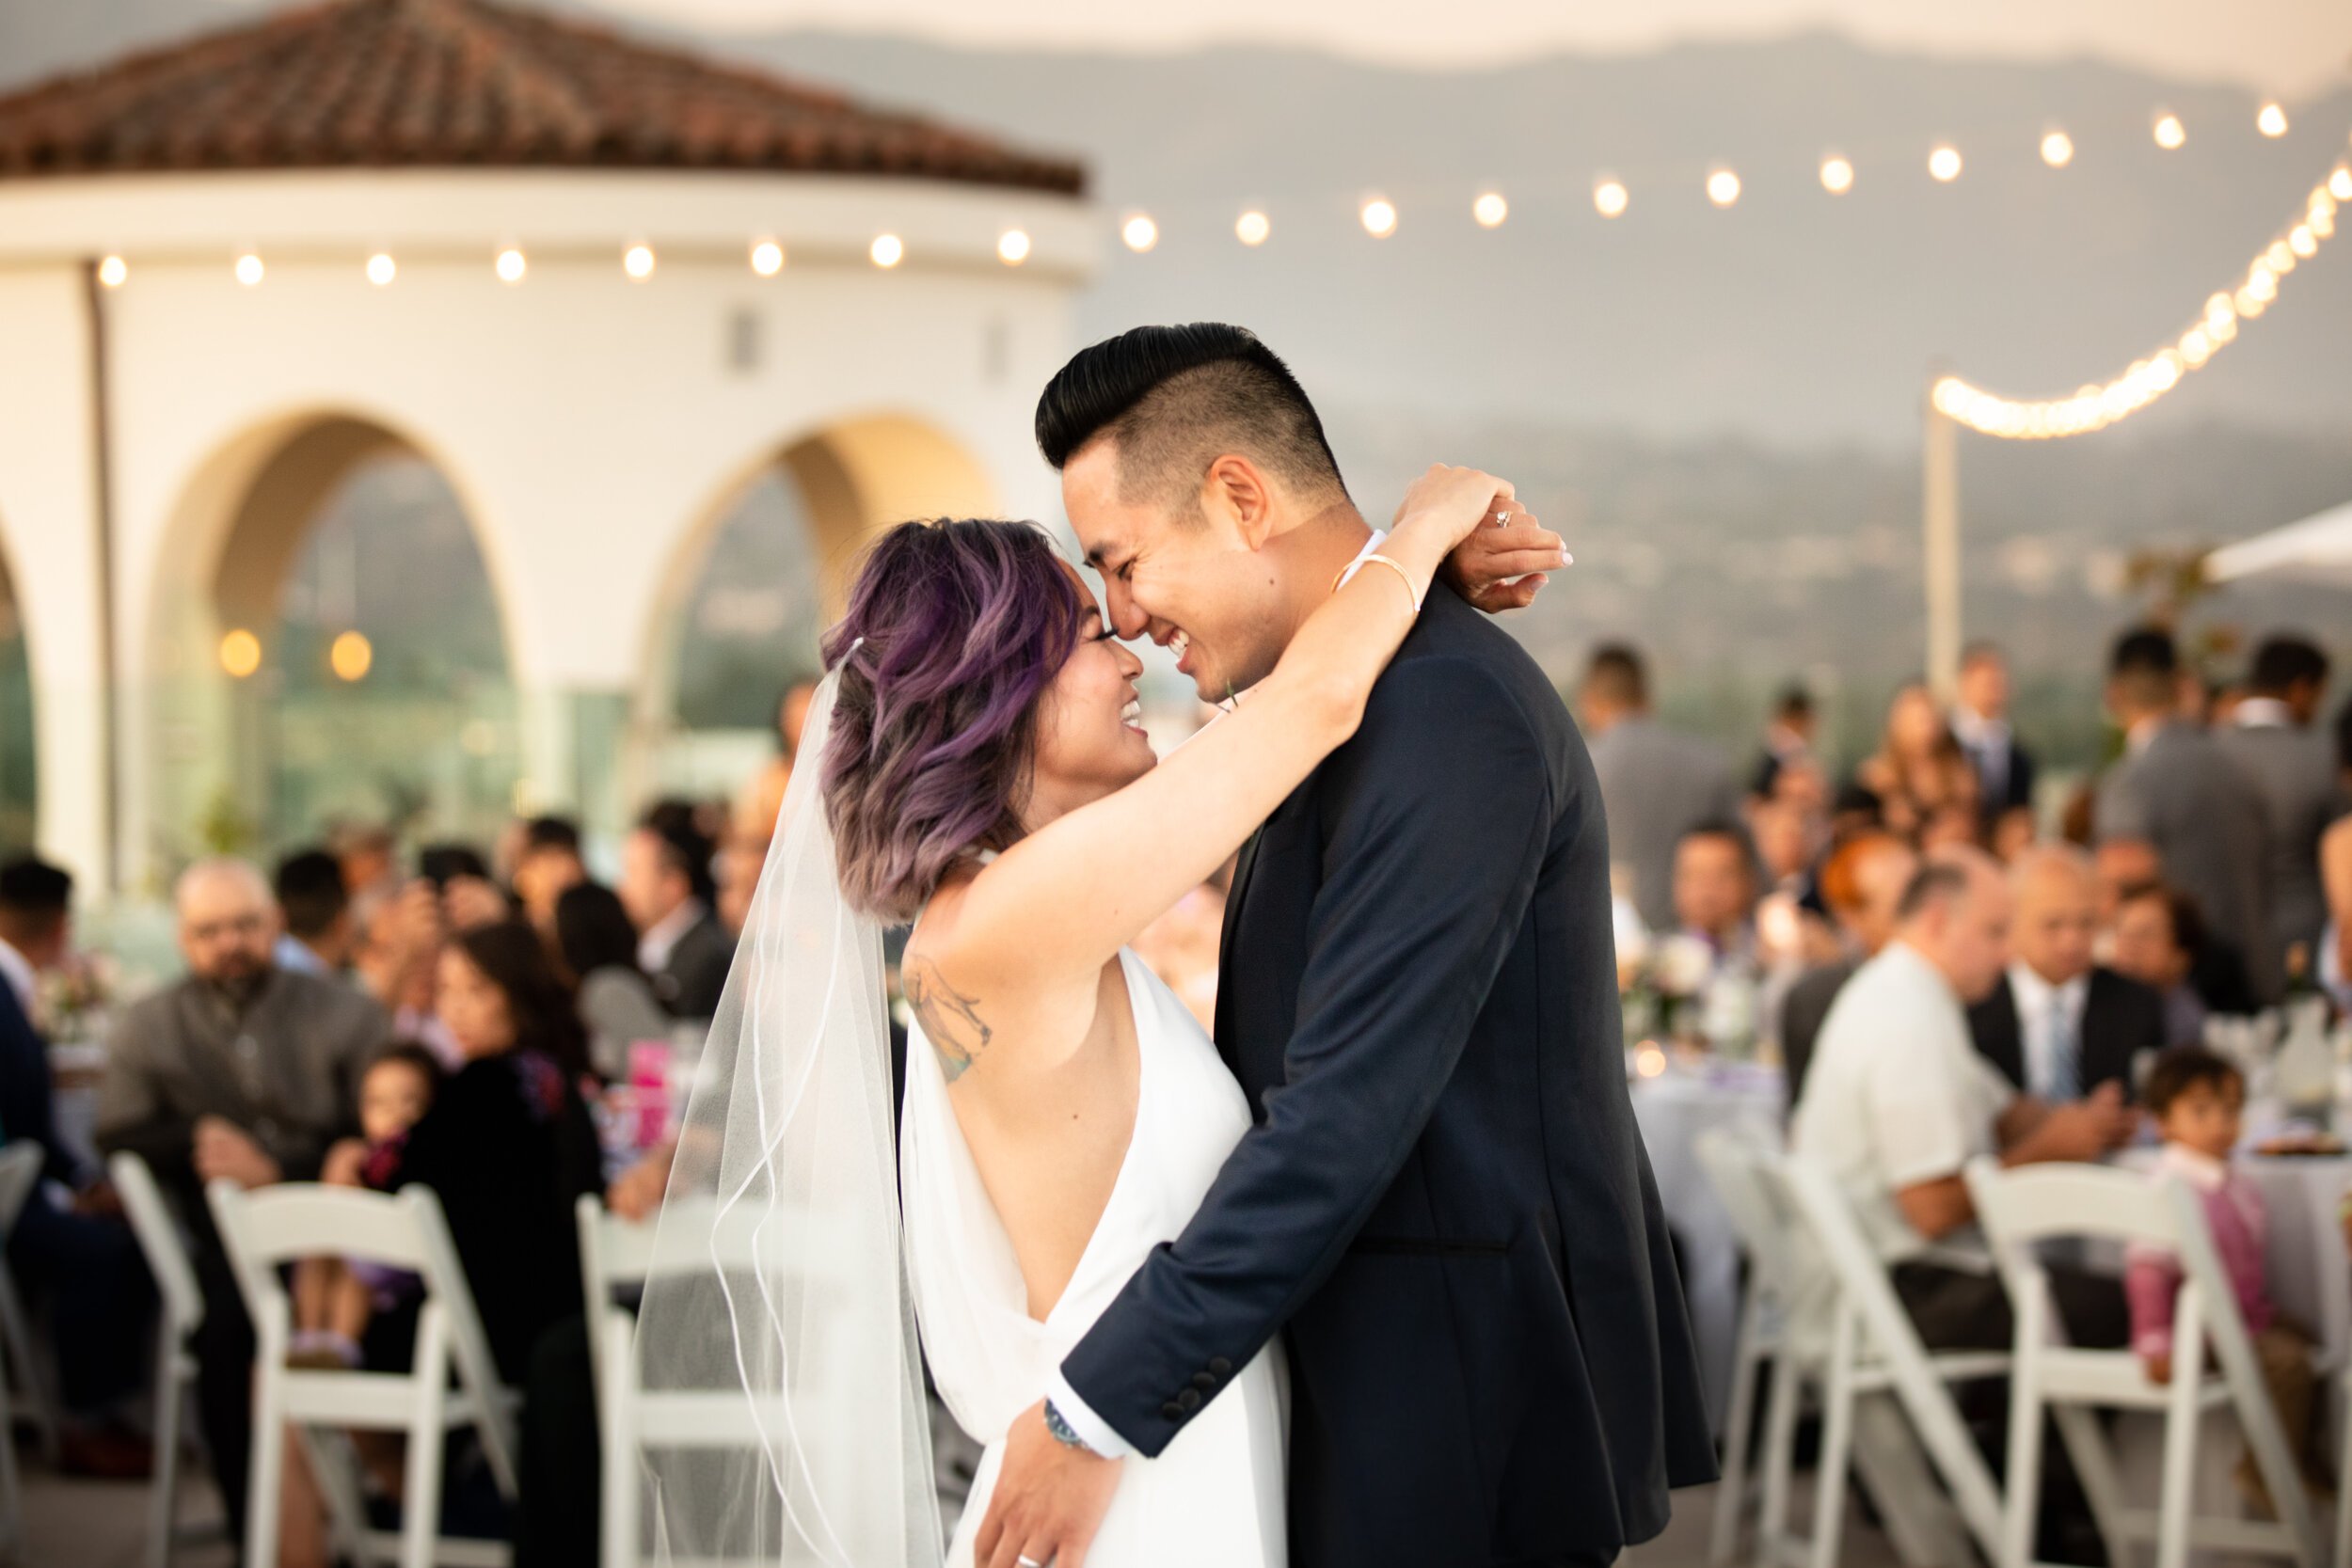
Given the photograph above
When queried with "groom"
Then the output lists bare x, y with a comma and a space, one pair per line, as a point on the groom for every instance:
1444, 1203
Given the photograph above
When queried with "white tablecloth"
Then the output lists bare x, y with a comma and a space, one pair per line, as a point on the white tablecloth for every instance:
1673, 1109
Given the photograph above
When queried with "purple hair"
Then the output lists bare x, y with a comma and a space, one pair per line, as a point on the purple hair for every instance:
955, 630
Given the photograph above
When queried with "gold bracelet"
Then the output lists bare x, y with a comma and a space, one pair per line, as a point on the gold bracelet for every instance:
1402, 575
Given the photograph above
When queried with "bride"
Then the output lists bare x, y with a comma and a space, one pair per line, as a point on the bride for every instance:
983, 776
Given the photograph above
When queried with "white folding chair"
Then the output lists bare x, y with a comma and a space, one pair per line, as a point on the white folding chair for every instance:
1728, 1162
1854, 1339
263, 1229
2021, 1209
2344, 1482
167, 1254
632, 1418
27, 1393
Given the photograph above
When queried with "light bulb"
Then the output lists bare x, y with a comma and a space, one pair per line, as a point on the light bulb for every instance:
1723, 187
382, 269
350, 656
113, 271
1837, 175
1012, 247
1379, 217
1140, 232
638, 261
767, 257
1252, 228
2272, 122
511, 265
1490, 210
2170, 132
1944, 164
249, 269
2058, 150
887, 251
1609, 199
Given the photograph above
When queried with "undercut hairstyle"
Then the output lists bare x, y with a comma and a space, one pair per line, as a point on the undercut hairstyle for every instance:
955, 632
1616, 673
2146, 666
2284, 662
2176, 1071
35, 896
550, 832
1935, 885
311, 893
1173, 399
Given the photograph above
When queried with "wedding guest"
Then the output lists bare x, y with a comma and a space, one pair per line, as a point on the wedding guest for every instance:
506, 1145
2272, 740
1714, 892
333, 1299
2335, 872
370, 857
319, 936
2198, 1099
2004, 768
240, 1072
2174, 788
755, 809
617, 1003
1788, 737
68, 1247
1898, 1101
1656, 784
667, 888
1919, 768
547, 863
2057, 1024
468, 894
1863, 882
2157, 937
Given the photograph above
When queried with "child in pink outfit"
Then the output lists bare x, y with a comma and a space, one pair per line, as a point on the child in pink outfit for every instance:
2198, 1099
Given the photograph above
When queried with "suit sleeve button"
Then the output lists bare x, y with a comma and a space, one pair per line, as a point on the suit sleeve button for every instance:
1189, 1400
1218, 1365
1173, 1411
1204, 1382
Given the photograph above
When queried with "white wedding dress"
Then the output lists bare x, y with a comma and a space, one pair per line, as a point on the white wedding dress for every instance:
1215, 1494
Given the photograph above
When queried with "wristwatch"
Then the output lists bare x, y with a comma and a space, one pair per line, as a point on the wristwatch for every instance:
1063, 1432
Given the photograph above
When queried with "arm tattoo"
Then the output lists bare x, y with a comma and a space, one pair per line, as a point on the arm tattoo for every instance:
951, 1020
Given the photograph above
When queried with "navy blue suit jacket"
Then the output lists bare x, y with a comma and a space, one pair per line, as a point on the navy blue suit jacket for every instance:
1444, 1200
27, 1092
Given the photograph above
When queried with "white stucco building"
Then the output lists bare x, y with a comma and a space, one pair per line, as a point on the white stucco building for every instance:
197, 338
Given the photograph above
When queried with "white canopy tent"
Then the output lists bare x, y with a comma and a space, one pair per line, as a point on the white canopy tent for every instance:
2317, 549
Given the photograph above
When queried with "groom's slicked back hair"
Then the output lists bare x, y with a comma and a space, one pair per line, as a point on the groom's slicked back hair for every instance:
1173, 400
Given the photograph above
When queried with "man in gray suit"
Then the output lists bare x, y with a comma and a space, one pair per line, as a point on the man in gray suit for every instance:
2175, 789
1656, 784
2272, 738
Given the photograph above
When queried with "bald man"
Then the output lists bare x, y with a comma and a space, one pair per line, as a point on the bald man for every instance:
241, 1071
2058, 1026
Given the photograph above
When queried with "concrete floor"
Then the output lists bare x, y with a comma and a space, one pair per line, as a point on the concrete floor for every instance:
81, 1523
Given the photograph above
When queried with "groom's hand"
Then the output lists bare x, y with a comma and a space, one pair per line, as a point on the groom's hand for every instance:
1049, 1501
1505, 567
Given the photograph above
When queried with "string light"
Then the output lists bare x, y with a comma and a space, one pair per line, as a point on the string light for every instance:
1252, 228
2272, 122
1012, 247
1140, 232
1944, 164
637, 261
887, 251
2058, 148
1379, 217
113, 271
351, 655
1723, 187
2096, 407
767, 257
249, 269
1609, 199
240, 653
511, 265
1837, 175
2170, 132
1490, 210
382, 269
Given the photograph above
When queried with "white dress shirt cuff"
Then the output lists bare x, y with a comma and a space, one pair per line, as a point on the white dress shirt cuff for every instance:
1096, 1432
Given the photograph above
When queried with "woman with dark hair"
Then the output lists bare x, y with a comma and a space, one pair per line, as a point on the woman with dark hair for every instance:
506, 1146
615, 1001
982, 770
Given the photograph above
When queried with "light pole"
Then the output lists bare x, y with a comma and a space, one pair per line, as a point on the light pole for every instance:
1939, 516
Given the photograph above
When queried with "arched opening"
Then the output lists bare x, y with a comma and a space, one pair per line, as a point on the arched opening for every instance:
328, 648
762, 574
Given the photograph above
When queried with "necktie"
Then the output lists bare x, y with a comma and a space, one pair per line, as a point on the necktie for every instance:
2065, 1052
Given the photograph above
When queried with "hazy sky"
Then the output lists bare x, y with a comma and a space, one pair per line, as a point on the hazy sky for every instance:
2286, 46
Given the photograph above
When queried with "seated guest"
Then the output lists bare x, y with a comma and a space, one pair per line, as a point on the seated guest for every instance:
666, 886
2057, 1024
1788, 739
69, 1246
1714, 892
506, 1144
2198, 1099
616, 1005
461, 877
240, 1072
2334, 966
2272, 738
2174, 788
333, 1298
1897, 1103
2158, 934
319, 936
1863, 881
546, 863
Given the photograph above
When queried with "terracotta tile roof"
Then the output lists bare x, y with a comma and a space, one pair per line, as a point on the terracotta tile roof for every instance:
403, 83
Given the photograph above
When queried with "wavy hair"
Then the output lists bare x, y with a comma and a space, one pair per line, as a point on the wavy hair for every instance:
956, 628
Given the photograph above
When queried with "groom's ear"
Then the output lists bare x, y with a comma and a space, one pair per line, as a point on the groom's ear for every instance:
1235, 493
